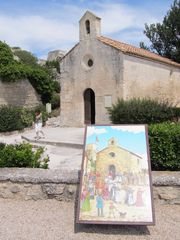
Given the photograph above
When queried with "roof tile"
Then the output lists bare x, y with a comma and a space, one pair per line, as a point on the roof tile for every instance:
129, 49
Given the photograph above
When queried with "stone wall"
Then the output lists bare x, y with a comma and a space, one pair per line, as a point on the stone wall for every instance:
20, 93
150, 79
104, 77
55, 55
38, 184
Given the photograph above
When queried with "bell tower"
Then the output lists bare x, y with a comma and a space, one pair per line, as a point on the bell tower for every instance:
89, 26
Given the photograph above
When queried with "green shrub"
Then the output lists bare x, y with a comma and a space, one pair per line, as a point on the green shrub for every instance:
53, 64
55, 101
12, 70
27, 117
25, 57
164, 140
6, 55
141, 111
56, 86
22, 155
10, 119
17, 118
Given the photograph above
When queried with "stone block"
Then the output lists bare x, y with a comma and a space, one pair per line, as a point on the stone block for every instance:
35, 193
53, 189
15, 189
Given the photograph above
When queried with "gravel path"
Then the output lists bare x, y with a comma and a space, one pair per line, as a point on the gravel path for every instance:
53, 220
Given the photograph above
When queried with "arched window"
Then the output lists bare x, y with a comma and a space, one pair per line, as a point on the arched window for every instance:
87, 23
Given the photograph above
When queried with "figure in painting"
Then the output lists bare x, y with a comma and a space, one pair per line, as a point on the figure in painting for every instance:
129, 197
139, 199
85, 198
99, 205
112, 210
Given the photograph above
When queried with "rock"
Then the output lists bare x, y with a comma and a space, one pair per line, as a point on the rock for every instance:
168, 194
36, 193
53, 189
15, 189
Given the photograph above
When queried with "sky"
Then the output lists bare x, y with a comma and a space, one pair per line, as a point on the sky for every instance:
41, 26
132, 138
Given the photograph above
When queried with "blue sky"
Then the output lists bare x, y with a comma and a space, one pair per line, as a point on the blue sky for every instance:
41, 26
132, 138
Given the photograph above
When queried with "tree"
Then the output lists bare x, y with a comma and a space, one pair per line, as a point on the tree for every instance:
27, 68
165, 36
25, 57
6, 55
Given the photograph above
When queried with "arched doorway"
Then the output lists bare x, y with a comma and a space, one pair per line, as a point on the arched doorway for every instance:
89, 106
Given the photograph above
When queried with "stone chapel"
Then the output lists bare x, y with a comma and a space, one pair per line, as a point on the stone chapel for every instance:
98, 70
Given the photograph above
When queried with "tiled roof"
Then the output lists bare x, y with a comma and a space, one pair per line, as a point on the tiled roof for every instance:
129, 49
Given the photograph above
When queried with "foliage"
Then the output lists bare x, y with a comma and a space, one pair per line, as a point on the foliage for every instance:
141, 111
27, 117
142, 45
164, 142
6, 56
10, 119
56, 86
42, 82
25, 57
53, 64
55, 101
165, 36
22, 155
13, 72
15, 118
39, 77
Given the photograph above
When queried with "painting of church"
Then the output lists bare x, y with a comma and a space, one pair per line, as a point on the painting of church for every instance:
115, 181
114, 159
99, 70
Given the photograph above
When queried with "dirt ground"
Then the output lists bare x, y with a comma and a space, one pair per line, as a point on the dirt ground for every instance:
53, 220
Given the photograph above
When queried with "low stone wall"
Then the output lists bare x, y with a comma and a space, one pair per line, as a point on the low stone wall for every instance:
20, 93
37, 184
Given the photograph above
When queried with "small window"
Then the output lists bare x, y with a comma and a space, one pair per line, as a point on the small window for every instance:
112, 154
87, 23
90, 62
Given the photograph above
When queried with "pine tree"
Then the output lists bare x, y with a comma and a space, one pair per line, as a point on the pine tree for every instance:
165, 36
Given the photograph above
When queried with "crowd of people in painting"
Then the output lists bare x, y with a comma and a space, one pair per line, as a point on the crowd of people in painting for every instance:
122, 188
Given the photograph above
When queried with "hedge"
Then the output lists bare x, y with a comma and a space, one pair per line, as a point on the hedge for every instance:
142, 111
17, 118
164, 141
22, 155
14, 118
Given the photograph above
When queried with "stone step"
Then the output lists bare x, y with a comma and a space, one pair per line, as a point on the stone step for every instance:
53, 143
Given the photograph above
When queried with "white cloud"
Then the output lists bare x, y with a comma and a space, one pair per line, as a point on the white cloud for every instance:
93, 130
129, 128
116, 17
57, 27
36, 32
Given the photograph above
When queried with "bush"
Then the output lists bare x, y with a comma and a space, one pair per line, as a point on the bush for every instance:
55, 101
10, 119
22, 155
56, 86
12, 70
164, 142
27, 117
15, 118
141, 111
